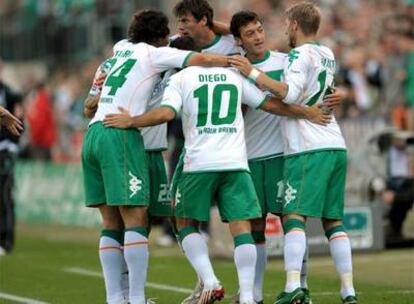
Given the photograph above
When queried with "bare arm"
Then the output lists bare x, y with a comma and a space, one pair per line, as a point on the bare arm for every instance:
313, 114
10, 122
151, 118
208, 60
90, 106
221, 28
277, 88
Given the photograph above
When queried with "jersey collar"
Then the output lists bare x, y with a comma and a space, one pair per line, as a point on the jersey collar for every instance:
215, 40
266, 56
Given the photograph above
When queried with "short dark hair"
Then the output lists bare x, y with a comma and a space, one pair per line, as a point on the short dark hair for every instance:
307, 15
148, 26
184, 43
197, 8
241, 19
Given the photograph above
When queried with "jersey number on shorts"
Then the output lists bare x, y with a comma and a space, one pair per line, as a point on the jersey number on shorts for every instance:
117, 78
218, 92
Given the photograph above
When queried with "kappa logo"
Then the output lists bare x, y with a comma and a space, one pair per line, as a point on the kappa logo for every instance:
289, 194
135, 184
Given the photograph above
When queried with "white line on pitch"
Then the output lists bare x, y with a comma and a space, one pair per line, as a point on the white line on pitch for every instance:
19, 299
97, 274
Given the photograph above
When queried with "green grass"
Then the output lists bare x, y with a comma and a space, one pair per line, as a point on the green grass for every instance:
36, 270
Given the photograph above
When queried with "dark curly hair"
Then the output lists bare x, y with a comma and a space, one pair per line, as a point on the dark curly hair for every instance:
197, 8
241, 19
148, 26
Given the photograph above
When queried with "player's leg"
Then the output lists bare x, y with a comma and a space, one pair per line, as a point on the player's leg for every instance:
238, 203
304, 195
111, 240
192, 205
126, 181
258, 175
339, 243
111, 254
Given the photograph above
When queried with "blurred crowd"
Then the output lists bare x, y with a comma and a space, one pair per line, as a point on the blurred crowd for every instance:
373, 42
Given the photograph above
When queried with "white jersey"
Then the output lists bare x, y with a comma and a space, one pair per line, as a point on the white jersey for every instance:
155, 138
135, 70
263, 134
210, 100
308, 71
222, 45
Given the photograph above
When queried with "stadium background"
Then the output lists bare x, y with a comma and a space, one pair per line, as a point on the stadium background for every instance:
50, 51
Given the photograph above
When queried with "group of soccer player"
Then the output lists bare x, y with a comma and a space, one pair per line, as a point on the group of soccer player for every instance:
260, 138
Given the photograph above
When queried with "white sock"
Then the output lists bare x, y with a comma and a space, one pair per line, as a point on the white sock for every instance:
245, 259
196, 251
340, 247
124, 278
259, 272
136, 258
111, 258
304, 269
294, 251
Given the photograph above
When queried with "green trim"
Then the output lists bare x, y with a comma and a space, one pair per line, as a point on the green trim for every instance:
117, 235
215, 40
217, 171
267, 97
156, 149
313, 43
259, 237
267, 157
314, 151
244, 238
141, 230
170, 107
292, 224
186, 231
335, 229
186, 59
276, 74
258, 61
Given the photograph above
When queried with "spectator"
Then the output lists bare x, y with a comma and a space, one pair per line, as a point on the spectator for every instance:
8, 149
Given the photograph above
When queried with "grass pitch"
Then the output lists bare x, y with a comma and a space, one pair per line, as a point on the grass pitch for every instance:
61, 265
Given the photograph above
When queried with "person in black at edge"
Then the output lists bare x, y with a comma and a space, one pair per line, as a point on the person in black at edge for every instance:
10, 129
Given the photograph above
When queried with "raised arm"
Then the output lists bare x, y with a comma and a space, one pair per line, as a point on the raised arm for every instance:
207, 60
221, 28
277, 88
151, 118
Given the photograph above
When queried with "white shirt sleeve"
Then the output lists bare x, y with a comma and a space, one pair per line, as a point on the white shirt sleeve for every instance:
164, 58
252, 95
104, 68
172, 97
295, 75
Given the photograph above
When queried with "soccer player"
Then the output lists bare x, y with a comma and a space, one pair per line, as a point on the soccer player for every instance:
114, 161
195, 19
315, 156
215, 163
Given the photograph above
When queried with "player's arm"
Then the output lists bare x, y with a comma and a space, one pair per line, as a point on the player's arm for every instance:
90, 104
277, 88
221, 28
124, 120
314, 114
207, 60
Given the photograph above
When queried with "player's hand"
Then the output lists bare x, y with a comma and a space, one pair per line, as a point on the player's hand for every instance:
241, 63
122, 120
318, 116
10, 122
334, 99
